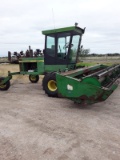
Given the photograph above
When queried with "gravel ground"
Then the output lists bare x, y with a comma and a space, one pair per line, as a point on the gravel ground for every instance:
36, 127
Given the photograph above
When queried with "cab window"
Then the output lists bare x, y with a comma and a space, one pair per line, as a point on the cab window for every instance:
62, 45
74, 48
50, 46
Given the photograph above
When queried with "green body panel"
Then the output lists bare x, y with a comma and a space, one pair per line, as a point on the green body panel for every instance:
27, 66
90, 88
80, 91
40, 67
50, 68
92, 81
58, 68
32, 59
66, 29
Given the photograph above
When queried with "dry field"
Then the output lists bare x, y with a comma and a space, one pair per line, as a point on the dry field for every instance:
5, 67
101, 60
36, 127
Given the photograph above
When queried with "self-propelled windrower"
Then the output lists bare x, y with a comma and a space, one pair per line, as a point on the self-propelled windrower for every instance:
63, 76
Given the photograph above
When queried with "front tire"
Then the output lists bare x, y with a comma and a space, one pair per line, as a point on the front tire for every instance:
49, 85
4, 86
34, 78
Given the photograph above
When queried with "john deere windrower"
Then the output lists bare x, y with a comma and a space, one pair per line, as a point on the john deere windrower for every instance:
62, 72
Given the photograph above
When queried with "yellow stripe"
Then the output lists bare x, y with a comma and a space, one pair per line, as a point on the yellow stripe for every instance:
31, 61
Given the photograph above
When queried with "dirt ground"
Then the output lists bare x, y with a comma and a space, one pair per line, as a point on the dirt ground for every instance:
36, 127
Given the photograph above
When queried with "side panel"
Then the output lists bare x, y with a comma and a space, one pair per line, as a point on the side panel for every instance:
82, 92
59, 68
33, 66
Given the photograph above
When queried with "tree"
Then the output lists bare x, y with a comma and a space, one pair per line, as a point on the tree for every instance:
84, 52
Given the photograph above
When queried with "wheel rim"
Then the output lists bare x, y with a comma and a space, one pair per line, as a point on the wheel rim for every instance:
52, 85
3, 86
33, 78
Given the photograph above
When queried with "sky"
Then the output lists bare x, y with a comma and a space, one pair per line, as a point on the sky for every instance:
21, 23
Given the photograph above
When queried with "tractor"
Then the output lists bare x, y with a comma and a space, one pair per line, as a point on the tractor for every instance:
63, 75
62, 47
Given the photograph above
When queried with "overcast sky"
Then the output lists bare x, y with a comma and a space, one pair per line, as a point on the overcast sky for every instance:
21, 23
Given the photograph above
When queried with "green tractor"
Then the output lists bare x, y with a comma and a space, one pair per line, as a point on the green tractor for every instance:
63, 75
60, 55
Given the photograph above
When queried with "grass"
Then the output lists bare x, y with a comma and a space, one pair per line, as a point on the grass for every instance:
5, 59
88, 64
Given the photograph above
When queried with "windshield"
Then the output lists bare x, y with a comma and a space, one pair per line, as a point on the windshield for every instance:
74, 48
62, 46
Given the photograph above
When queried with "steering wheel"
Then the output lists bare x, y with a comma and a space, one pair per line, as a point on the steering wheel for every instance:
66, 45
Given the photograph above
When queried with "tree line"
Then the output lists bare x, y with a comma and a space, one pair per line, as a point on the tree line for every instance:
86, 53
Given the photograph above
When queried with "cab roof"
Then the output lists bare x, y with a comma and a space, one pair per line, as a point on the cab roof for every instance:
66, 29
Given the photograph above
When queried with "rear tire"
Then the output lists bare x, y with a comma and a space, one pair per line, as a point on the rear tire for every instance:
49, 85
34, 78
4, 86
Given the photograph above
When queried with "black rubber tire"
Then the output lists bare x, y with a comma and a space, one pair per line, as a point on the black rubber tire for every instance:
44, 79
43, 82
50, 78
5, 86
34, 78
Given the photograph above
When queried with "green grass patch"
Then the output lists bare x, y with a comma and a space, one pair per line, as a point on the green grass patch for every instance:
88, 64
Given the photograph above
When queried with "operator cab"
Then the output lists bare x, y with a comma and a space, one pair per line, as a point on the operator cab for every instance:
62, 45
